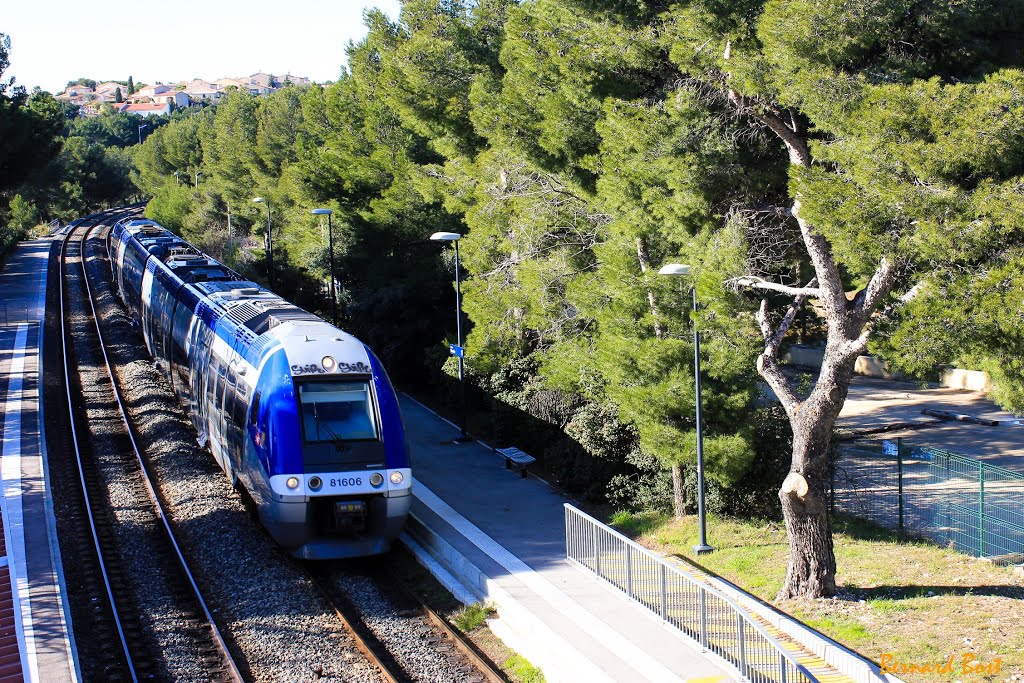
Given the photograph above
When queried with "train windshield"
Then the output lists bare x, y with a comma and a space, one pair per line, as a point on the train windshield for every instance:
337, 411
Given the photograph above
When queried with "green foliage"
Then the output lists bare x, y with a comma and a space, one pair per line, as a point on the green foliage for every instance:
472, 617
51, 163
85, 82
522, 671
579, 146
24, 214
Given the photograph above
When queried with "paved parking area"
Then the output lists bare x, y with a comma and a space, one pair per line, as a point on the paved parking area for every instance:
874, 403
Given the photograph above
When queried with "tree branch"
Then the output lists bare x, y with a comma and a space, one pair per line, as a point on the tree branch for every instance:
754, 282
832, 294
799, 154
878, 288
768, 361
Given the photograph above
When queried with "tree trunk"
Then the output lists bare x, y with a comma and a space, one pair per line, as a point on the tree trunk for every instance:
645, 264
812, 560
812, 563
678, 499
804, 493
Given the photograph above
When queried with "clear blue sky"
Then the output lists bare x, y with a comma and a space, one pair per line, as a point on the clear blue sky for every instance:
56, 41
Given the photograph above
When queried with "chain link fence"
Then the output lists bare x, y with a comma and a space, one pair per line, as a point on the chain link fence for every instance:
957, 501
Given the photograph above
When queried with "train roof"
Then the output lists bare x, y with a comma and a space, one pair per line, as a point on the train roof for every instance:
245, 305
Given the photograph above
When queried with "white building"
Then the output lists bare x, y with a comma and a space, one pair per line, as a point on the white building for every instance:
150, 91
147, 109
199, 90
179, 98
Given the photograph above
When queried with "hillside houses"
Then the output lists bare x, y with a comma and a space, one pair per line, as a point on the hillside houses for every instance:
167, 97
146, 108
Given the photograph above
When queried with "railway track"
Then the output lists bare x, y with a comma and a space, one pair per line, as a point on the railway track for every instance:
130, 651
412, 621
120, 644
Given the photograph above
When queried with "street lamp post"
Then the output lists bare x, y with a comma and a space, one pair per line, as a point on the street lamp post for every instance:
177, 178
330, 244
269, 241
198, 173
702, 546
145, 125
458, 350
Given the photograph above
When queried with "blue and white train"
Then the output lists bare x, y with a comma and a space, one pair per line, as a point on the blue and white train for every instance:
299, 413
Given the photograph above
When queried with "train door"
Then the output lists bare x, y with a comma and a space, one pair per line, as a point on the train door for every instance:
199, 355
182, 329
239, 402
121, 248
147, 300
219, 383
165, 344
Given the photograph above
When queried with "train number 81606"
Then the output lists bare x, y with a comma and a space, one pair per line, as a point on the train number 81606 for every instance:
346, 481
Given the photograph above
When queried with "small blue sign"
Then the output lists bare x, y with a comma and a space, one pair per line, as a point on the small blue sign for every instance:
890, 447
456, 350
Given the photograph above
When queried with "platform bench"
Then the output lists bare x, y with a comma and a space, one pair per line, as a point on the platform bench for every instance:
515, 456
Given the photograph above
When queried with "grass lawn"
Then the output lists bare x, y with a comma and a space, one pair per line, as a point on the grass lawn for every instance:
911, 599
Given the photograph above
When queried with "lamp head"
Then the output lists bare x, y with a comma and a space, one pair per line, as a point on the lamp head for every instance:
446, 237
674, 269
257, 200
321, 212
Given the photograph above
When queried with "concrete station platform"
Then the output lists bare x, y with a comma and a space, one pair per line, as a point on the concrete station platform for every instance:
35, 644
503, 538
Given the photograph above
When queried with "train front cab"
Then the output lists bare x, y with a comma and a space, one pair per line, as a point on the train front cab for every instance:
340, 481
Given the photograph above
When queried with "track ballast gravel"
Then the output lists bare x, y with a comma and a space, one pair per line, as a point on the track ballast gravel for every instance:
274, 618
276, 622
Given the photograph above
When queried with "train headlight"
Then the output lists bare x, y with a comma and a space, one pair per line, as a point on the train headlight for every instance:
315, 483
396, 477
293, 482
376, 479
329, 363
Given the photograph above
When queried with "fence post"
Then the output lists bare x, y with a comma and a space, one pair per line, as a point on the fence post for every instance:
743, 645
703, 617
664, 591
899, 474
597, 552
981, 509
629, 570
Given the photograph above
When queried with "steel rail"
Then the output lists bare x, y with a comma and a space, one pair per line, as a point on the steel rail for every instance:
368, 650
462, 644
78, 462
221, 644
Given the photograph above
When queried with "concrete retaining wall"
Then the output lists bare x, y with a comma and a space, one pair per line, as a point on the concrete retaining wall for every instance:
869, 366
971, 380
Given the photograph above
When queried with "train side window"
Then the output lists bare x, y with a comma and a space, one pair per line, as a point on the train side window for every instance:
239, 408
254, 410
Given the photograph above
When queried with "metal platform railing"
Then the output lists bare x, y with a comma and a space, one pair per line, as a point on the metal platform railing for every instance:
702, 612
